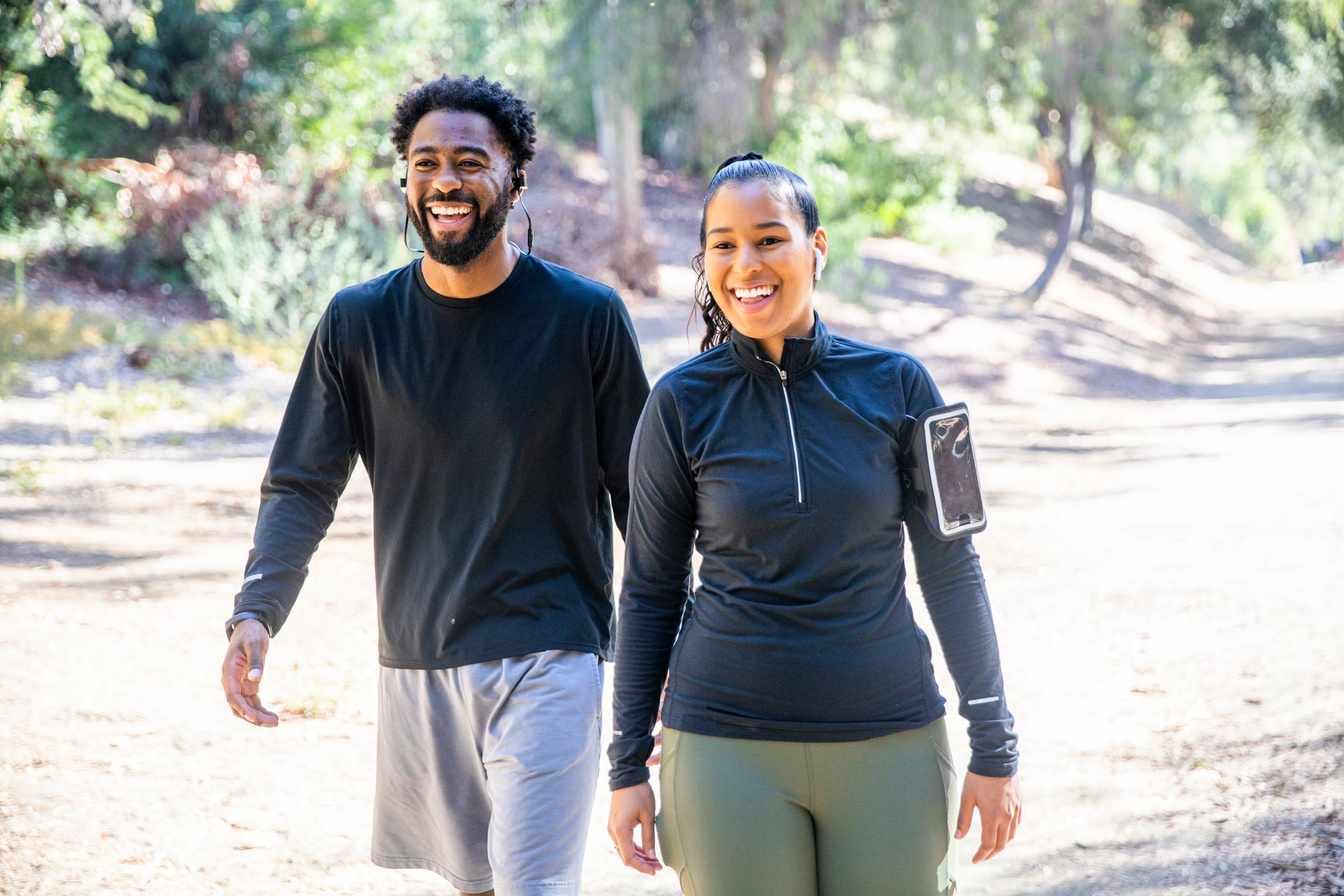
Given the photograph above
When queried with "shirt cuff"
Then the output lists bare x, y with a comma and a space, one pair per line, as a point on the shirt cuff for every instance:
236, 618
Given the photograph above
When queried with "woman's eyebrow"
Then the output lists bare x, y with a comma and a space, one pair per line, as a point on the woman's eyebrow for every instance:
762, 226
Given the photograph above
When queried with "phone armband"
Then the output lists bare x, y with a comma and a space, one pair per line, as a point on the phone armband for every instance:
939, 471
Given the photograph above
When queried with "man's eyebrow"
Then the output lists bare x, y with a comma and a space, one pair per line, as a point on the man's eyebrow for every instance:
464, 149
765, 225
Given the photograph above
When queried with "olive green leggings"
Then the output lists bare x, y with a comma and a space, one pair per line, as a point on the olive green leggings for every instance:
771, 818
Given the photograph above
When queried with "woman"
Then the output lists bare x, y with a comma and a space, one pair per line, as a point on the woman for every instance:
804, 750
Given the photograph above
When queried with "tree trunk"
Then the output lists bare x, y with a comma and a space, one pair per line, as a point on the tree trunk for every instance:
1087, 172
619, 138
20, 281
725, 100
772, 49
1069, 221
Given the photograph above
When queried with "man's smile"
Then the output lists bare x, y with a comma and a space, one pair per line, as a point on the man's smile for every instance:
448, 214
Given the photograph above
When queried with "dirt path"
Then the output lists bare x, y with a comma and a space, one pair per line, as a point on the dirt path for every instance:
1164, 559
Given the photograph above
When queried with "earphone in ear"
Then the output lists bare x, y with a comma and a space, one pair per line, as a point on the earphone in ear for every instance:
820, 263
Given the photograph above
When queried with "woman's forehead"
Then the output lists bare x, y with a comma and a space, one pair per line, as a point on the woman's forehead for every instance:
747, 203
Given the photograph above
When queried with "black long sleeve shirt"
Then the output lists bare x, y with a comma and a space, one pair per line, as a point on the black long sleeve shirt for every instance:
496, 434
785, 479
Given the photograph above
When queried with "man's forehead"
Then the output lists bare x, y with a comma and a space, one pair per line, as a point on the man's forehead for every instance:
450, 129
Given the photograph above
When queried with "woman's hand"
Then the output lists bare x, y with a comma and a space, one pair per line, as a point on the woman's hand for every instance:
999, 801
632, 807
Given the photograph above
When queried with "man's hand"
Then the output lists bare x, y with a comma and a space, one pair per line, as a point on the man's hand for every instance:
632, 807
999, 801
242, 673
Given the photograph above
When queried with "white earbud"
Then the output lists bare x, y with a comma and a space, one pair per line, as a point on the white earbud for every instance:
821, 263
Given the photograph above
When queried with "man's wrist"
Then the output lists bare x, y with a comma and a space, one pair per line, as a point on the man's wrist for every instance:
236, 618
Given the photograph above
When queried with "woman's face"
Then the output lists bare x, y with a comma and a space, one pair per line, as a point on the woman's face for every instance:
759, 264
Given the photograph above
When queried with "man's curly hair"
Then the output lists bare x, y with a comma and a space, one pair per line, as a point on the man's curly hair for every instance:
509, 114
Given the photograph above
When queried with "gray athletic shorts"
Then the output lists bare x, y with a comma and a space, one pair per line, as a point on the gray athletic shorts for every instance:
487, 773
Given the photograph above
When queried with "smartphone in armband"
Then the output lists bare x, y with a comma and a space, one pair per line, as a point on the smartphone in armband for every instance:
939, 466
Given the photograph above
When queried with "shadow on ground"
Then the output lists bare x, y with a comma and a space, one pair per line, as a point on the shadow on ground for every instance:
1272, 824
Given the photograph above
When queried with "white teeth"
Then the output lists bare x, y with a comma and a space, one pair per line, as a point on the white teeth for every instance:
449, 210
753, 293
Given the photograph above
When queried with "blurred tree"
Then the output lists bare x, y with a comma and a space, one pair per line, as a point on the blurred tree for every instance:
618, 84
54, 55
1085, 65
1280, 63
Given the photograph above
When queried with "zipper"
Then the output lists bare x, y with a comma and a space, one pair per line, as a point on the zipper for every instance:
793, 437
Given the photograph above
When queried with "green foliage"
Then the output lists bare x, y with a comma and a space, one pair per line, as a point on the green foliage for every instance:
54, 57
24, 475
47, 205
270, 264
865, 188
230, 412
82, 33
119, 405
952, 227
46, 332
306, 89
1239, 200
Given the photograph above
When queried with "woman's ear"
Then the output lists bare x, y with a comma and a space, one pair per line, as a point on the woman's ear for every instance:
818, 253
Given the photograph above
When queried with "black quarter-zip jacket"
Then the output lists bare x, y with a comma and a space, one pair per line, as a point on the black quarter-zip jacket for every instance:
784, 478
496, 433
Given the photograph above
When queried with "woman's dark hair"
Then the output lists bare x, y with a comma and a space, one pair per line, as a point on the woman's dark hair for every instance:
786, 185
509, 114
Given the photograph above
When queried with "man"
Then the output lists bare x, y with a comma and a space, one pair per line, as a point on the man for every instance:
492, 398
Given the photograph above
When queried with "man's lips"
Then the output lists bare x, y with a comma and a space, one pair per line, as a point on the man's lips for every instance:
447, 214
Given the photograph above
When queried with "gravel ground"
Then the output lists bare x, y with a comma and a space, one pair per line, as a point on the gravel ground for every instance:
1160, 440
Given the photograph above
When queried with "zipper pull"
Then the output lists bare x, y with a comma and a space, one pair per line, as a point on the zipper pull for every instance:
783, 375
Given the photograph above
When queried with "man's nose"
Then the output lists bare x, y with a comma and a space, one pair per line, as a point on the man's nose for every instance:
447, 179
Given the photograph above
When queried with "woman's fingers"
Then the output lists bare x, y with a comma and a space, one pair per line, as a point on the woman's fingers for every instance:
999, 802
657, 756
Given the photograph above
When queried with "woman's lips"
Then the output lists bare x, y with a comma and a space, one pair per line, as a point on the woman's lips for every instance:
754, 298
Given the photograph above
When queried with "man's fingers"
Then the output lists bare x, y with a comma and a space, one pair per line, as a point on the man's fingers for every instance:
625, 848
243, 667
633, 807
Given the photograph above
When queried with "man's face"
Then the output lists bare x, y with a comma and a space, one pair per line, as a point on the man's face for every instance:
458, 183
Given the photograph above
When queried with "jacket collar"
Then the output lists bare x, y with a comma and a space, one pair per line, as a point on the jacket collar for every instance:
800, 355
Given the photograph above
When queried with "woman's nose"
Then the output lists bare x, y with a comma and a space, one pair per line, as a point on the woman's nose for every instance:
748, 259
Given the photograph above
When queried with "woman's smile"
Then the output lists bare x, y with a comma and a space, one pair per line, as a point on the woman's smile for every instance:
754, 298
759, 264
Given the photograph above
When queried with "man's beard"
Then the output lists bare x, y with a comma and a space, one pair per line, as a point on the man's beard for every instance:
464, 250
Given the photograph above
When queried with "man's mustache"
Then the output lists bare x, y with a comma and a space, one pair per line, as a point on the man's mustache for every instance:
458, 198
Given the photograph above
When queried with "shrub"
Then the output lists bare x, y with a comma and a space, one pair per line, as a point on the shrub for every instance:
161, 201
951, 227
866, 188
270, 264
